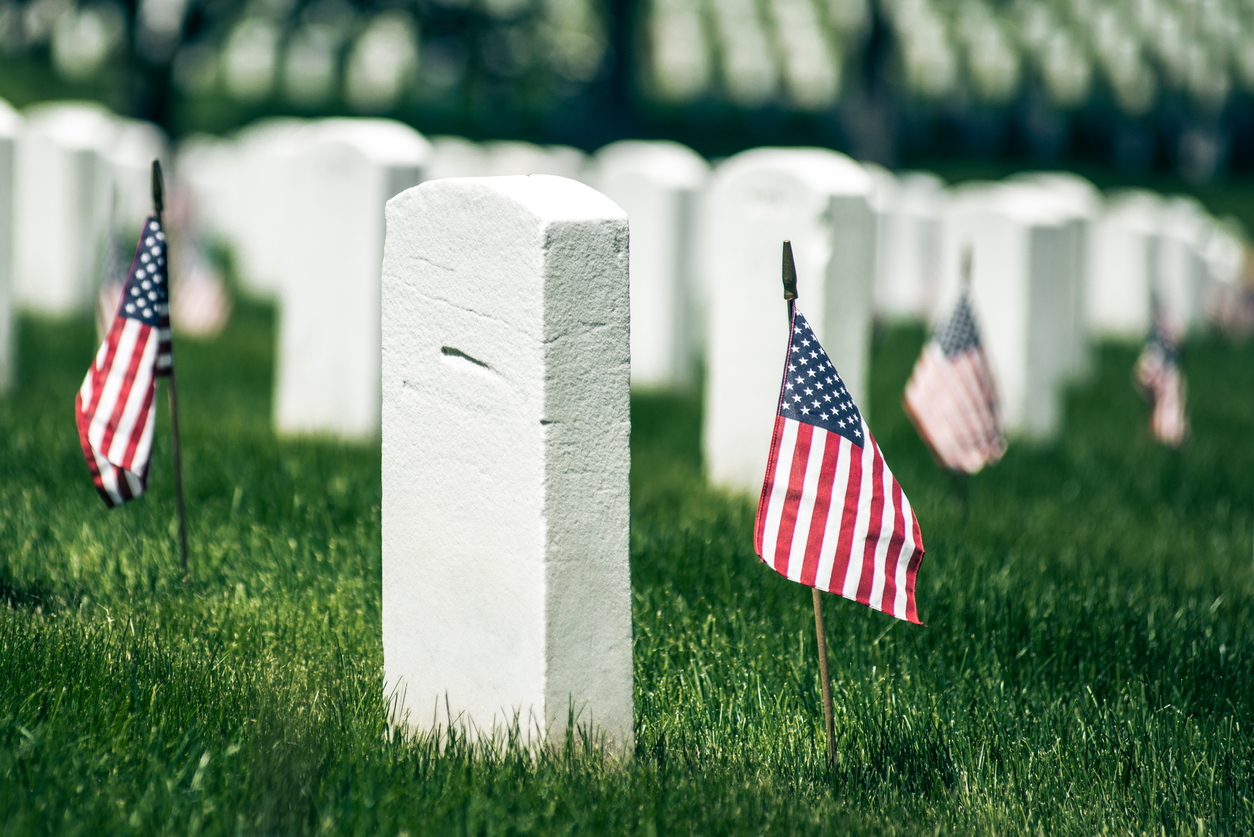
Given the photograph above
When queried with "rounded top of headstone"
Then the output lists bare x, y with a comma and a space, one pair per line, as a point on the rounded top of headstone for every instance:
884, 191
1137, 209
508, 157
921, 193
78, 126
136, 143
1024, 203
546, 197
666, 162
1076, 193
456, 157
384, 141
1185, 218
822, 169
10, 120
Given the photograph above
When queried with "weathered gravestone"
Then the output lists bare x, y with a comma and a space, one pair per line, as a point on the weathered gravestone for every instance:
1121, 266
506, 592
1077, 199
658, 184
129, 160
10, 129
1023, 286
1180, 269
819, 200
456, 157
62, 188
507, 157
909, 210
327, 368
261, 191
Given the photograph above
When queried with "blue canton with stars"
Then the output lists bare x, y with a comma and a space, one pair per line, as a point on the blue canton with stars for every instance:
146, 296
813, 391
959, 334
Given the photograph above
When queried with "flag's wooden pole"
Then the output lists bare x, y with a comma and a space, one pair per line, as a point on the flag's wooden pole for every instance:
158, 204
790, 296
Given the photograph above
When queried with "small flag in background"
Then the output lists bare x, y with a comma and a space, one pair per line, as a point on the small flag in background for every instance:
116, 407
1161, 381
951, 397
832, 515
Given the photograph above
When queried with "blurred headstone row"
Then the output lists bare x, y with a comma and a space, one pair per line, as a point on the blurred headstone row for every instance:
299, 204
1138, 82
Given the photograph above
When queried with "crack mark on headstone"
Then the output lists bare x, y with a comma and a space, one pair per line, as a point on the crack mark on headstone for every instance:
458, 354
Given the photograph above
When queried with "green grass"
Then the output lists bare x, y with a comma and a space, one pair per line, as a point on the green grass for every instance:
1088, 665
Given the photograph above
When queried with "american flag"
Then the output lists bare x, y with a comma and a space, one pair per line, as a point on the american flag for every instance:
832, 515
116, 407
1161, 381
951, 397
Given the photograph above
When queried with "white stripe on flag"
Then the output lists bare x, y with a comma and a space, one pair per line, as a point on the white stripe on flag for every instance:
113, 383
835, 511
857, 546
134, 404
888, 519
805, 508
779, 490
903, 559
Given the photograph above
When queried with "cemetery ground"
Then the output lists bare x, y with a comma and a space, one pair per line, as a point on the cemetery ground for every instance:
1088, 665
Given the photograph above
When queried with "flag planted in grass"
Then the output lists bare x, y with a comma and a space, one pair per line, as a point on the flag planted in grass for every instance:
116, 407
832, 515
951, 397
1161, 381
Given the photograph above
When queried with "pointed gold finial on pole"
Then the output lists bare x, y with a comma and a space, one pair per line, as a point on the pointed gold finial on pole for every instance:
790, 273
158, 189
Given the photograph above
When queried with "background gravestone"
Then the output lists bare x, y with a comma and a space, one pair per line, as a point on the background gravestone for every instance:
1122, 266
10, 128
657, 184
506, 419
62, 189
908, 229
1023, 286
327, 367
820, 200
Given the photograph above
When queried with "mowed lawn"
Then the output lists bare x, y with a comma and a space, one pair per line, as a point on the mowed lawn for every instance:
1088, 664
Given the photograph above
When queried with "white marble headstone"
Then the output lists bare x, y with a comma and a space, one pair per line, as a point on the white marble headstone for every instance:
129, 159
819, 200
456, 157
1025, 252
506, 588
506, 157
10, 129
261, 191
1181, 272
327, 366
1121, 266
62, 191
909, 212
1076, 198
658, 185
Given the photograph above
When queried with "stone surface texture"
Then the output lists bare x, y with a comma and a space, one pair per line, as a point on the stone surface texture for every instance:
506, 420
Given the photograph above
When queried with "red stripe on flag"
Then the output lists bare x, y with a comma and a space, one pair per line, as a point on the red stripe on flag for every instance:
822, 504
141, 423
98, 371
889, 599
124, 393
840, 564
796, 478
875, 526
768, 485
912, 571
